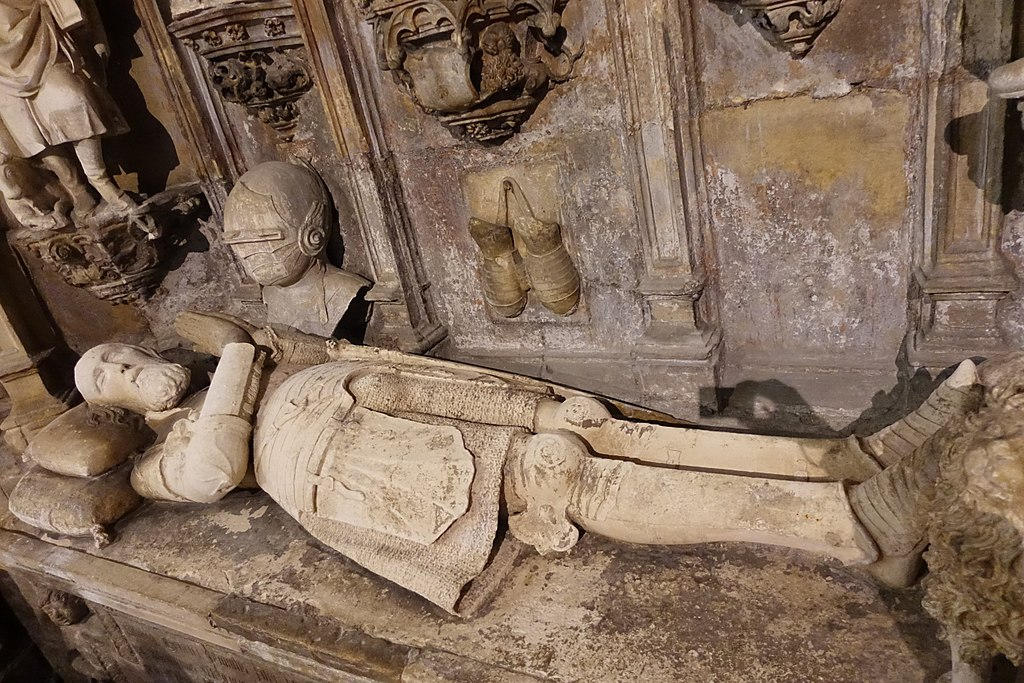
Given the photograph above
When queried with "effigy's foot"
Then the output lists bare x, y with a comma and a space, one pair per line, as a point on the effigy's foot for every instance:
892, 504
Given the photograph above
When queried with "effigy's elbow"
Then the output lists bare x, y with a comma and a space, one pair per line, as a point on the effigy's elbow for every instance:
201, 463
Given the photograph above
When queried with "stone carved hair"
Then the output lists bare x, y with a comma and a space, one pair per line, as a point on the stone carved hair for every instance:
975, 585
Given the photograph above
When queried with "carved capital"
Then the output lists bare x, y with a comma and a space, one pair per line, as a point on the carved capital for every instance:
480, 66
793, 24
254, 56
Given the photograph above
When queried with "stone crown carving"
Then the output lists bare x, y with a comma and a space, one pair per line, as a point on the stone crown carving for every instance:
480, 66
793, 24
254, 56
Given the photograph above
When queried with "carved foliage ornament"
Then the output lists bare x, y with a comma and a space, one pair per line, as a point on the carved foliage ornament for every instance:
117, 259
793, 24
254, 57
480, 66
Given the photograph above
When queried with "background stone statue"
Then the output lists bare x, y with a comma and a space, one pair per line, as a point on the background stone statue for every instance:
277, 220
54, 107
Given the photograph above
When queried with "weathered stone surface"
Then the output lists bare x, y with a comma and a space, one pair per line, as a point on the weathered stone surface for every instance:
810, 199
603, 611
874, 44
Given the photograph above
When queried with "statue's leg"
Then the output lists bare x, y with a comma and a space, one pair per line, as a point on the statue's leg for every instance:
57, 161
21, 205
90, 155
553, 481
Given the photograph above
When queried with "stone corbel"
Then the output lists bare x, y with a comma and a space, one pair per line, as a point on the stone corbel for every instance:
792, 24
119, 259
480, 66
254, 56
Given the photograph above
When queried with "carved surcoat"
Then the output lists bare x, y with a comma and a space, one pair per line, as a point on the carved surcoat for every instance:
398, 469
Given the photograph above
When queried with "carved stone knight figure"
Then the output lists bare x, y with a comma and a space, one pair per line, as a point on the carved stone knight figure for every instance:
408, 465
53, 102
277, 221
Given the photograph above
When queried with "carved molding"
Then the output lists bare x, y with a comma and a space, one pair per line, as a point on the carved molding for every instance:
656, 48
480, 66
960, 273
792, 24
254, 57
402, 297
31, 370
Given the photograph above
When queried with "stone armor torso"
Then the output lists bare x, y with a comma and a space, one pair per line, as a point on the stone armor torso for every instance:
411, 496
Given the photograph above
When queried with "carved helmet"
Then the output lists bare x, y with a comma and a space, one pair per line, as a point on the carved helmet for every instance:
276, 221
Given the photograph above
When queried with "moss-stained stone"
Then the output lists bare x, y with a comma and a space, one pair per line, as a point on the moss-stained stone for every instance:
810, 200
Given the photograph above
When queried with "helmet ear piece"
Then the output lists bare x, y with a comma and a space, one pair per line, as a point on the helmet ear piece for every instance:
313, 234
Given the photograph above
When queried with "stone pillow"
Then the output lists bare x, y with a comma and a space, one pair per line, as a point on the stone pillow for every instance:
72, 506
87, 441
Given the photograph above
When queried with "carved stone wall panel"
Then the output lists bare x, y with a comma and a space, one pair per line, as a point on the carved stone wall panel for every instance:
254, 57
575, 136
811, 208
960, 273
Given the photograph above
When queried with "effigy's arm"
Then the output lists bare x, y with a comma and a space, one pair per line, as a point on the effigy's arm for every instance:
207, 456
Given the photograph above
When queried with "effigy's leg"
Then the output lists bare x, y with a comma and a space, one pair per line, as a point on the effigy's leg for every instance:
554, 483
639, 504
804, 459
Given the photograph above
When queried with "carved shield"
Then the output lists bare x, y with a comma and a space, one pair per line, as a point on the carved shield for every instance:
397, 476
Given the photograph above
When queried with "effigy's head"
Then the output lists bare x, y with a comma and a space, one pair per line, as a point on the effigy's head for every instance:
130, 377
975, 585
276, 220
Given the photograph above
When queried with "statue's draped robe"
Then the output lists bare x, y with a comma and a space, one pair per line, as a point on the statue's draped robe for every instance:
47, 95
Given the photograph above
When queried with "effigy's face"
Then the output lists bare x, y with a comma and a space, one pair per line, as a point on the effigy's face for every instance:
130, 377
